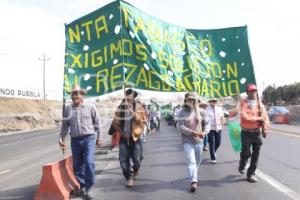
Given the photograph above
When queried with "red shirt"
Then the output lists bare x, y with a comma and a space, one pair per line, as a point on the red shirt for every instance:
249, 116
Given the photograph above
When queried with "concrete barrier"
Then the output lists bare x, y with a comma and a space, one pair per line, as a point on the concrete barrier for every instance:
57, 181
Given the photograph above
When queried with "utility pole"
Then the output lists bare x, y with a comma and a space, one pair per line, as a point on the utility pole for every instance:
44, 59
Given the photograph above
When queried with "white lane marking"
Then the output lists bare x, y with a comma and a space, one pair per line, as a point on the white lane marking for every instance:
278, 185
282, 130
6, 198
7, 171
287, 134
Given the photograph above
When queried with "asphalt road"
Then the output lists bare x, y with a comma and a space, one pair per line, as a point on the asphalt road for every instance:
22, 156
163, 172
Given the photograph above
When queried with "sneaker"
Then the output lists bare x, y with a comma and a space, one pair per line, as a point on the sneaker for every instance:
129, 183
252, 179
88, 195
213, 161
141, 157
78, 192
205, 148
135, 174
193, 186
241, 170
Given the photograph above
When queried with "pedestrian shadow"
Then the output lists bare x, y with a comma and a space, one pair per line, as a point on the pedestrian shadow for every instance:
23, 193
176, 145
206, 162
160, 152
141, 185
101, 152
109, 159
167, 137
219, 183
168, 164
227, 162
163, 141
110, 171
99, 171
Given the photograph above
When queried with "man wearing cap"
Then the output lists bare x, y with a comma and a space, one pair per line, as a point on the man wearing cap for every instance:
216, 119
130, 119
82, 122
191, 118
254, 122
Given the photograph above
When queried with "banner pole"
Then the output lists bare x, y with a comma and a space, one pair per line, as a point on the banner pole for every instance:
64, 102
259, 112
122, 49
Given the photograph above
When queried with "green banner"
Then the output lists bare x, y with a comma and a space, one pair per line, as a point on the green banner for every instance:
166, 107
234, 131
166, 110
120, 45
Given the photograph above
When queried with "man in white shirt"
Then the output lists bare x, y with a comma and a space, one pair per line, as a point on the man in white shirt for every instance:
216, 118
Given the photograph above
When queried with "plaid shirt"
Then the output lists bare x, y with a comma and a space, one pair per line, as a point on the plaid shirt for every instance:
80, 121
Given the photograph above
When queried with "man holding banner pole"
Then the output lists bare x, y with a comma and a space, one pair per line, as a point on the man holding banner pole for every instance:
81, 120
255, 123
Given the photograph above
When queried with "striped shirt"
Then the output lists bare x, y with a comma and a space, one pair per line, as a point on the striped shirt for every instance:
80, 121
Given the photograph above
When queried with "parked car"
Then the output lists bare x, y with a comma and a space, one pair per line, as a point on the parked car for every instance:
279, 115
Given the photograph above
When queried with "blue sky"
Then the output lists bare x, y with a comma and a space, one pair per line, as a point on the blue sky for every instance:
30, 28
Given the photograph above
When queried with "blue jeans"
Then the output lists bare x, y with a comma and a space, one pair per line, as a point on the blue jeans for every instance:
193, 155
214, 140
144, 133
83, 149
205, 141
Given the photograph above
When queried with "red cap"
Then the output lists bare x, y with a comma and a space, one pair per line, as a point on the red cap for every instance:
251, 87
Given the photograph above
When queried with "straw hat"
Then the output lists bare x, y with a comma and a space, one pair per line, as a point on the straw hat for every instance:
76, 88
213, 99
203, 103
191, 95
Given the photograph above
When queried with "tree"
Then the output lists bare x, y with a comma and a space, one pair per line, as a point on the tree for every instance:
289, 93
267, 94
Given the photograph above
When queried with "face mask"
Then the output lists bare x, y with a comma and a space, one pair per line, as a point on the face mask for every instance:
252, 103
